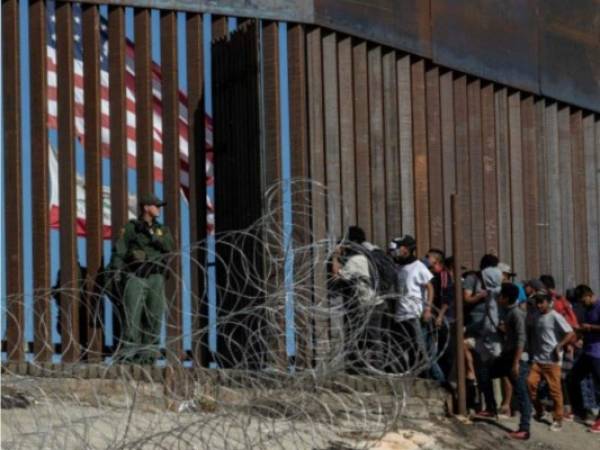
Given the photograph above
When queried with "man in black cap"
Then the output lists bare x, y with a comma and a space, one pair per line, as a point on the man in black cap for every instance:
140, 257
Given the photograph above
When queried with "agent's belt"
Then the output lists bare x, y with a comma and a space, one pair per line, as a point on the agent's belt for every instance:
146, 269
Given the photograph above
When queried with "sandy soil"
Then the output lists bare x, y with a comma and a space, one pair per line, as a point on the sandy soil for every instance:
63, 414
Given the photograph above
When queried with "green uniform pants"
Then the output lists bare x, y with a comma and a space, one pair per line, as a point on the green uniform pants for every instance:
144, 301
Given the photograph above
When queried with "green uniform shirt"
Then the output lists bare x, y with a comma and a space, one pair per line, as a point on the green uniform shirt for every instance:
141, 244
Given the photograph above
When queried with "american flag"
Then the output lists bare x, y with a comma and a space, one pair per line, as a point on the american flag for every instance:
130, 104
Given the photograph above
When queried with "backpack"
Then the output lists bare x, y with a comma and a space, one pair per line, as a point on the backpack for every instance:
386, 278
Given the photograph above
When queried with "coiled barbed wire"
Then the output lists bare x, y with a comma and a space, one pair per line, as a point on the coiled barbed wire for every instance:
346, 383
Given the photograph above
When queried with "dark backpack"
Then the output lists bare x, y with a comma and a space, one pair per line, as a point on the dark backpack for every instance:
386, 278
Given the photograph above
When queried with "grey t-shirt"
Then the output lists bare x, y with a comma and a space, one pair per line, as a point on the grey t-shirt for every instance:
472, 283
475, 312
516, 331
549, 330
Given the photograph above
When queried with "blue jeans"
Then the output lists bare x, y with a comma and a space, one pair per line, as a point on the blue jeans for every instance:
431, 344
502, 367
520, 387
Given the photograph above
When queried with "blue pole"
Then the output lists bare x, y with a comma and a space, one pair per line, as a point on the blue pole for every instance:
290, 337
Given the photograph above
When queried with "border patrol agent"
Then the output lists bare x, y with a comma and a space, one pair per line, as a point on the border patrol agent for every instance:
139, 259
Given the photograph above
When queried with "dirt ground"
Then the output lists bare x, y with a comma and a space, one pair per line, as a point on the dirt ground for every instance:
76, 414
453, 434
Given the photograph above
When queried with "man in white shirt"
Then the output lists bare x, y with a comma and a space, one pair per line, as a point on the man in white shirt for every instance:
413, 306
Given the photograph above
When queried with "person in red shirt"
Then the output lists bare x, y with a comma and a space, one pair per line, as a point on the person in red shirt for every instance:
559, 303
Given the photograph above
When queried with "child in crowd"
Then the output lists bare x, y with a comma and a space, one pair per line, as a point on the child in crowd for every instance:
550, 335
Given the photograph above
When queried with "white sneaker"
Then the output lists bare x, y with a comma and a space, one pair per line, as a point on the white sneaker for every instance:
556, 426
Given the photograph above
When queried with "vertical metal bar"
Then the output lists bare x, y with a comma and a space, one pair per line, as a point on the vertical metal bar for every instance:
220, 29
448, 153
516, 183
476, 167
406, 145
118, 118
197, 189
393, 197
530, 185
503, 175
286, 174
13, 197
554, 188
314, 64
566, 197
297, 73
69, 274
434, 158
421, 171
579, 198
376, 142
592, 167
272, 150
93, 173
271, 102
458, 296
38, 105
118, 137
463, 179
143, 102
490, 187
543, 250
171, 166
332, 135
361, 138
347, 150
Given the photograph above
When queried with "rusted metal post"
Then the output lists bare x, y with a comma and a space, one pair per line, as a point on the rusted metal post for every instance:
13, 218
316, 145
197, 185
93, 176
42, 346
271, 104
118, 139
300, 169
219, 27
458, 302
118, 121
69, 273
171, 158
143, 102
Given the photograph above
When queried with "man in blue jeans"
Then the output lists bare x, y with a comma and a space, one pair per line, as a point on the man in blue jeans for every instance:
512, 362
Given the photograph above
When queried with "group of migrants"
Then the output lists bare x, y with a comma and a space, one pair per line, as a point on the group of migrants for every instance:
541, 345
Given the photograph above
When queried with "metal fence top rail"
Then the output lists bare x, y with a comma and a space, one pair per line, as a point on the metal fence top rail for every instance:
543, 47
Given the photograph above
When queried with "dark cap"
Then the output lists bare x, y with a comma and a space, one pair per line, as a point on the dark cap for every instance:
535, 284
151, 199
405, 241
541, 296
